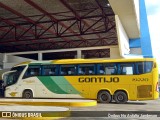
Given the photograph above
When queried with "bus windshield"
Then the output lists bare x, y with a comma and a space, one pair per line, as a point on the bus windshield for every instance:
18, 68
10, 78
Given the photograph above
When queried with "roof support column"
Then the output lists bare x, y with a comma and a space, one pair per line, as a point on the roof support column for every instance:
79, 54
5, 58
40, 56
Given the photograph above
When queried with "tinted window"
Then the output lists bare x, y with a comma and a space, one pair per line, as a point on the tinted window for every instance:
107, 69
86, 69
148, 66
144, 67
18, 68
126, 68
11, 78
67, 70
33, 71
49, 70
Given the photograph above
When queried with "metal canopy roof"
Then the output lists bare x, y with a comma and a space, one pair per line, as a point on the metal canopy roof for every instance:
29, 25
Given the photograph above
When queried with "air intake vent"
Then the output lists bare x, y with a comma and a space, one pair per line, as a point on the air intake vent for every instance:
144, 91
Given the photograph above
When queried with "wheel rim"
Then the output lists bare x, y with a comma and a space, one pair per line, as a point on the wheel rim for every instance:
104, 97
27, 95
120, 97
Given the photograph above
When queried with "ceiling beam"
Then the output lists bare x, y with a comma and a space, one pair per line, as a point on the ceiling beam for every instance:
27, 19
50, 16
76, 14
13, 24
64, 50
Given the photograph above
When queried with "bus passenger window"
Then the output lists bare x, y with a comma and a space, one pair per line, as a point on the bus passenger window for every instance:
80, 71
86, 69
126, 69
101, 72
71, 71
144, 67
111, 69
100, 69
63, 72
106, 69
140, 68
68, 70
49, 70
33, 71
148, 66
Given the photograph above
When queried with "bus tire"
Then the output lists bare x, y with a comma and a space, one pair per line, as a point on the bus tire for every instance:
120, 97
104, 97
27, 94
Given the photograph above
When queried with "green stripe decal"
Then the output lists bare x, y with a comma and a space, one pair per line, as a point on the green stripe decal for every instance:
58, 84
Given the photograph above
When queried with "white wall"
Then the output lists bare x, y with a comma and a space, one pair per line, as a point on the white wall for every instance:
136, 6
11, 60
123, 40
114, 53
16, 59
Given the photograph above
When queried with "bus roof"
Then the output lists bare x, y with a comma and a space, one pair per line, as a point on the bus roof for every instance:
76, 61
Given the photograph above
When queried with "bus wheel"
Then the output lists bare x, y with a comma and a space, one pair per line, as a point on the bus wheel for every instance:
120, 97
27, 94
104, 97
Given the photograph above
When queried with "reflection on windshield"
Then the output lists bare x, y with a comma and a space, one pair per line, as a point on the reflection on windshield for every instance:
12, 77
18, 68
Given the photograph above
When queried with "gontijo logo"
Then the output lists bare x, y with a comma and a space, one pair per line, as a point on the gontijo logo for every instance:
98, 80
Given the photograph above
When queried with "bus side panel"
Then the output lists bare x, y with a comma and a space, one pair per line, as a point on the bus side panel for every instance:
132, 92
43, 89
137, 87
100, 87
17, 89
58, 87
143, 86
77, 89
155, 82
89, 86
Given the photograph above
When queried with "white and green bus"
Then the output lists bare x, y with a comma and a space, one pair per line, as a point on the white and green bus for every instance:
103, 80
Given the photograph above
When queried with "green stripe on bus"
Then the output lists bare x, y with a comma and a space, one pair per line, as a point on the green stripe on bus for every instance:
60, 80
58, 85
51, 85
